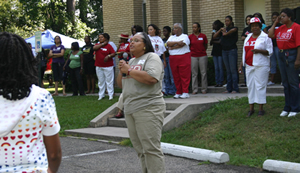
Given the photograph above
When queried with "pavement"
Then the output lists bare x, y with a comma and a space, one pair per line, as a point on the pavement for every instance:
101, 156
83, 155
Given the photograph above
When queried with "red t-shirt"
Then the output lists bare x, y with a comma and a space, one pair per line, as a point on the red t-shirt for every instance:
249, 54
288, 38
197, 45
102, 53
124, 47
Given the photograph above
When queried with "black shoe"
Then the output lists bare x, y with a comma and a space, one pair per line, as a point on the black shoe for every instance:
250, 113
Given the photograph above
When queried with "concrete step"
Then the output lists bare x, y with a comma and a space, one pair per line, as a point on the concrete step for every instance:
104, 133
120, 122
277, 88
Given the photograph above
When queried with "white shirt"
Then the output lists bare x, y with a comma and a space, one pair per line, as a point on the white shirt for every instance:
158, 45
22, 130
263, 42
181, 51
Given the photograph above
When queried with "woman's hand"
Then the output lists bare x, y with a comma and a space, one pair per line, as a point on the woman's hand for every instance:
123, 67
240, 70
106, 58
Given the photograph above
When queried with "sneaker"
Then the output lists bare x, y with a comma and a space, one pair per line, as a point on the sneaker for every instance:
270, 83
176, 96
100, 98
284, 113
225, 85
184, 96
292, 114
110, 97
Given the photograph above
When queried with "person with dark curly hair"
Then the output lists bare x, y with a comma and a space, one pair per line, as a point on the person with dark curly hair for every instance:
27, 111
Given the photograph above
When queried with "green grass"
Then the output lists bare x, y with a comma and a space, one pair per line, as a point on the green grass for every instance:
248, 141
77, 112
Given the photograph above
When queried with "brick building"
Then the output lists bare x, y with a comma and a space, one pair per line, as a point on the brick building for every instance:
119, 16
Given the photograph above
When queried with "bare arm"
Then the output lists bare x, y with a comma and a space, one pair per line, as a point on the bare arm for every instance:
243, 38
173, 43
217, 33
141, 76
66, 62
229, 32
98, 46
205, 45
264, 52
53, 148
119, 79
271, 33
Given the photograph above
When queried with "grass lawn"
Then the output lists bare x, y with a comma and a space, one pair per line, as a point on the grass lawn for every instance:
224, 127
77, 112
248, 141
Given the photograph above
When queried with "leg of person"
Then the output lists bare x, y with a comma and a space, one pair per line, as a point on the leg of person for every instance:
233, 69
101, 82
245, 79
221, 76
88, 83
217, 70
261, 82
148, 123
109, 80
226, 60
203, 69
293, 82
261, 75
195, 67
56, 78
136, 143
172, 87
120, 105
284, 79
175, 71
251, 88
185, 72
79, 81
167, 77
74, 81
273, 59
250, 83
93, 82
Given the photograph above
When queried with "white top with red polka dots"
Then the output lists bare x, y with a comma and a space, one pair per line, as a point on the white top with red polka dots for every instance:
22, 149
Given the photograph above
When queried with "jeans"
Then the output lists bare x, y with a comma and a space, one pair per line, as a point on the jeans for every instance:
230, 61
218, 62
76, 81
273, 59
170, 88
290, 79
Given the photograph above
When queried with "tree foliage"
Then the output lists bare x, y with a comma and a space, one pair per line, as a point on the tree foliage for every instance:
24, 17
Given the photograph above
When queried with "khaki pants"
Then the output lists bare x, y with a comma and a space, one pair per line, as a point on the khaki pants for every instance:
202, 63
120, 102
145, 129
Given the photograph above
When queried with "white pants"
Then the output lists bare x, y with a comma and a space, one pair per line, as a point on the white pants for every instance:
257, 79
105, 76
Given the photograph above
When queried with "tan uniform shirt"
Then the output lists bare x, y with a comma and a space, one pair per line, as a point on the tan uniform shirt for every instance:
137, 95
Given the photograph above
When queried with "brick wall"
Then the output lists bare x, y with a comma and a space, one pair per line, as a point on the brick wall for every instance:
168, 12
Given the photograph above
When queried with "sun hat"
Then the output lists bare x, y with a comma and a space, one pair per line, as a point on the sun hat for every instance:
124, 35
